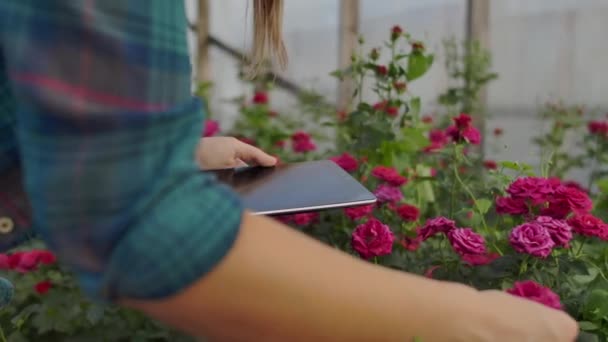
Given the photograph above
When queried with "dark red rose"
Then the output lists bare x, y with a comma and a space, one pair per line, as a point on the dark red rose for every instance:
490, 164
588, 225
260, 98
392, 111
43, 287
389, 175
598, 128
408, 213
382, 70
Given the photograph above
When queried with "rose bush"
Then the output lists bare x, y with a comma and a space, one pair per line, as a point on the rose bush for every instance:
444, 210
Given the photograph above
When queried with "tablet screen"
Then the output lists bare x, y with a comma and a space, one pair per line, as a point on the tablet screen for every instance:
293, 188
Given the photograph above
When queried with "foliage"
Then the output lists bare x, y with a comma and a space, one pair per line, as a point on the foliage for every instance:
48, 306
441, 214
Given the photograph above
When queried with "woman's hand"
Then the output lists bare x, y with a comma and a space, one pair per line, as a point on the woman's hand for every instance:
226, 152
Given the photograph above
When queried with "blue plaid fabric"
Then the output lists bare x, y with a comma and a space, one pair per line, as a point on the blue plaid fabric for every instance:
98, 122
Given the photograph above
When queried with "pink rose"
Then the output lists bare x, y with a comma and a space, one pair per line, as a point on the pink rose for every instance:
465, 241
373, 238
560, 231
302, 142
388, 194
557, 209
536, 292
356, 213
408, 213
347, 162
304, 219
533, 239
479, 259
472, 135
211, 128
30, 260
389, 175
438, 140
511, 206
534, 189
435, 226
588, 225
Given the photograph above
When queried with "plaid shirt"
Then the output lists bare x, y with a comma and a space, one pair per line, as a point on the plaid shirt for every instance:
98, 123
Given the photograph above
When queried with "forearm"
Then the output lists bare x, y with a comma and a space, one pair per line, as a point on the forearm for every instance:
280, 285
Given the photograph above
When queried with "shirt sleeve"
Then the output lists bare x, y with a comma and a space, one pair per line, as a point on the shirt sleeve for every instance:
107, 129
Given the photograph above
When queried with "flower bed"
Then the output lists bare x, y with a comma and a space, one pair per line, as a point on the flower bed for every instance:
444, 211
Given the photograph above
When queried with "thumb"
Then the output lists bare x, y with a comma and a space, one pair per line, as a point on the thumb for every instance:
253, 155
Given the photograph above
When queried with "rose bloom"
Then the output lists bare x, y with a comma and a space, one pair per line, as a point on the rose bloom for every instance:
462, 121
372, 238
392, 111
304, 219
469, 134
409, 243
560, 230
260, 98
347, 162
396, 31
386, 193
480, 259
27, 261
359, 212
466, 242
588, 225
43, 287
578, 201
302, 142
408, 213
535, 189
211, 128
536, 292
510, 206
435, 226
490, 165
598, 128
380, 106
389, 175
382, 70
532, 238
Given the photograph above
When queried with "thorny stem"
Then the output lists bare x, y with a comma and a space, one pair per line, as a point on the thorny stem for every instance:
472, 196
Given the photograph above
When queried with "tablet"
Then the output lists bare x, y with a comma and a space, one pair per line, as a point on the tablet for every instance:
296, 188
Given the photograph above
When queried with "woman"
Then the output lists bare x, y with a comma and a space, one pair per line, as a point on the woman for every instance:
100, 126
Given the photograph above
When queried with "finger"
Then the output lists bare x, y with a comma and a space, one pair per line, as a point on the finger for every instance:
253, 155
240, 163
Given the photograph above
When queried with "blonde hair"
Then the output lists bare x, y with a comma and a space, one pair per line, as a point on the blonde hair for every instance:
267, 34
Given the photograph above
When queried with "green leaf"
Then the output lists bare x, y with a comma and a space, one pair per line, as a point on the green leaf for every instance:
602, 184
414, 139
415, 107
16, 337
483, 205
587, 326
94, 314
587, 337
517, 166
418, 65
597, 303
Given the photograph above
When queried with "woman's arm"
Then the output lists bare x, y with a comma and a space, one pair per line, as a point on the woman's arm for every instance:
279, 285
